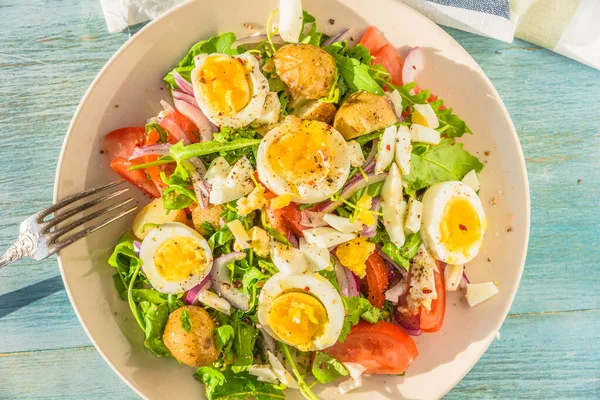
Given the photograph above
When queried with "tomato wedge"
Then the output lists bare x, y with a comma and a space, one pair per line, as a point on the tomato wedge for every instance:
377, 280
136, 177
388, 57
292, 216
383, 348
186, 124
431, 321
122, 142
373, 39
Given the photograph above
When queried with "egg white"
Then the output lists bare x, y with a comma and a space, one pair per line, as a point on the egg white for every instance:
324, 186
434, 203
310, 283
152, 242
253, 110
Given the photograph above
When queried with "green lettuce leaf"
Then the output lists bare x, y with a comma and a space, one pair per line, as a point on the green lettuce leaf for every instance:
228, 385
445, 162
355, 309
326, 368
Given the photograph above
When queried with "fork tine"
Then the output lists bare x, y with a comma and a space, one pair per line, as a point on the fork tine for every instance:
80, 235
63, 216
73, 198
66, 229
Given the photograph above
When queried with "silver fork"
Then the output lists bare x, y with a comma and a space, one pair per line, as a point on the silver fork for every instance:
39, 239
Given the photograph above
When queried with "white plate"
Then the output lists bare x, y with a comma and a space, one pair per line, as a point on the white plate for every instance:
132, 79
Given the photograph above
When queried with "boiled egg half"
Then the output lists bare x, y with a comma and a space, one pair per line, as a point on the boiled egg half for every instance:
453, 222
230, 90
303, 310
175, 258
308, 160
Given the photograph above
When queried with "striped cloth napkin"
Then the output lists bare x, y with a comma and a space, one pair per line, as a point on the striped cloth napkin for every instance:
568, 27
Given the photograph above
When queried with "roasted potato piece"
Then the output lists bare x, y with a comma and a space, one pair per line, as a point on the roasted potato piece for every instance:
364, 112
197, 347
154, 214
315, 110
307, 70
210, 214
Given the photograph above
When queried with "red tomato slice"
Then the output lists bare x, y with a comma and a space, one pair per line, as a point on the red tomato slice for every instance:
292, 217
391, 61
383, 348
122, 142
432, 321
186, 124
373, 39
377, 280
136, 177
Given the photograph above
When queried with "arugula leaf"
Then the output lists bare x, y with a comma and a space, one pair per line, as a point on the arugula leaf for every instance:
177, 195
227, 135
150, 295
243, 345
216, 44
154, 126
445, 162
312, 37
356, 74
357, 308
393, 252
228, 385
224, 336
374, 189
181, 152
361, 53
186, 322
450, 124
364, 139
326, 368
411, 246
155, 320
250, 282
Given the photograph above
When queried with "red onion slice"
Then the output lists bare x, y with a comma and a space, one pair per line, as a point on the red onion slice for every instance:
394, 293
136, 248
338, 37
346, 280
222, 284
161, 149
187, 105
252, 39
292, 239
410, 323
174, 130
200, 185
191, 296
464, 281
182, 84
413, 65
312, 219
357, 183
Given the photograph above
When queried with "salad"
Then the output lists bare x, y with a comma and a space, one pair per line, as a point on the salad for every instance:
311, 207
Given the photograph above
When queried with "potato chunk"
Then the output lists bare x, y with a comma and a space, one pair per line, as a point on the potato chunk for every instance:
307, 70
315, 110
364, 112
196, 348
211, 214
154, 214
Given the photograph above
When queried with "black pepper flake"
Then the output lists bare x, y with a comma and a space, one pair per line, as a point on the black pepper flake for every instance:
331, 21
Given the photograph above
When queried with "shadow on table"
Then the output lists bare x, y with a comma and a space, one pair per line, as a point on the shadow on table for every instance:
13, 301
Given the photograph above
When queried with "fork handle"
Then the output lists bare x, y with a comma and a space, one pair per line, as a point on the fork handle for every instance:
25, 246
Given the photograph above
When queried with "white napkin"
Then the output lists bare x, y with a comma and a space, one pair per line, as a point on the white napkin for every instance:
568, 27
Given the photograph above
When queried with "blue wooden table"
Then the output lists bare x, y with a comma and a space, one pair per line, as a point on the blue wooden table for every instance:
550, 343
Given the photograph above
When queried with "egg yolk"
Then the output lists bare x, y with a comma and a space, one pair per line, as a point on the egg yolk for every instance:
418, 118
298, 318
179, 258
301, 155
460, 227
226, 85
354, 253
